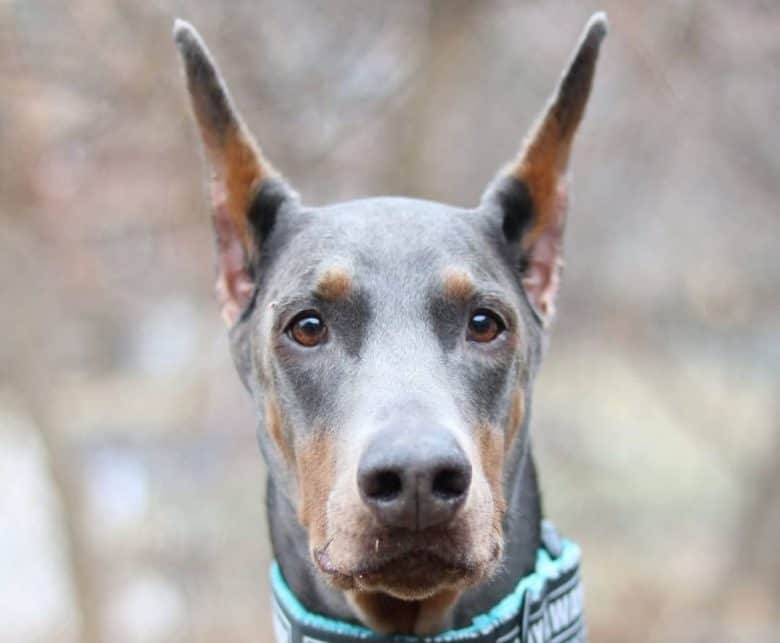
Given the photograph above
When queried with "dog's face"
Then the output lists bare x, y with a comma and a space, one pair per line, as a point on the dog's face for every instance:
389, 344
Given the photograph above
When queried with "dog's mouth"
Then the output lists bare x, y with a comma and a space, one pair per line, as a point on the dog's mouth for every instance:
408, 573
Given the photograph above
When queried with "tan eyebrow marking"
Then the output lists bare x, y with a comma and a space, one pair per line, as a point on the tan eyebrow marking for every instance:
334, 284
458, 283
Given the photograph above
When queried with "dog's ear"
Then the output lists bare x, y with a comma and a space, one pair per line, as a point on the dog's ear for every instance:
246, 192
531, 192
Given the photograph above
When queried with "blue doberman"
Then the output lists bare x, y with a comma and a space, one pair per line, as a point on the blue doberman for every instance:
390, 346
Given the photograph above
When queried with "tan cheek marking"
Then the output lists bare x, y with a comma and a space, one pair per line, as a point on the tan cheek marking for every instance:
316, 466
275, 427
491, 451
335, 284
458, 283
516, 415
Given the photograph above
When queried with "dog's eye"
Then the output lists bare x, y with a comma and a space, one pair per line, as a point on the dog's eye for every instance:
485, 326
307, 329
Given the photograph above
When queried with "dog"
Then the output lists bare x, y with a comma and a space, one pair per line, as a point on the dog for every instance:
390, 347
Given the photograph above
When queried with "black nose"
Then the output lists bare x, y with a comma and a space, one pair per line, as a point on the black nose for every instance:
414, 479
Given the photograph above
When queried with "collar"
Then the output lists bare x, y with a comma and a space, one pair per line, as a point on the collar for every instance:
545, 606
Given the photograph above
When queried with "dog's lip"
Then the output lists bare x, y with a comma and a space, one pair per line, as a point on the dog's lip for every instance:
326, 566
348, 579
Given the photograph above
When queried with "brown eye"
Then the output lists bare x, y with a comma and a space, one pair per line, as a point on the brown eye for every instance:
484, 326
307, 329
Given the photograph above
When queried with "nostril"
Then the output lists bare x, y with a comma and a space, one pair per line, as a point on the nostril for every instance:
383, 486
451, 484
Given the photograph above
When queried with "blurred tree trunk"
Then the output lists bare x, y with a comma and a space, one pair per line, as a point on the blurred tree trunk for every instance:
448, 22
66, 488
755, 553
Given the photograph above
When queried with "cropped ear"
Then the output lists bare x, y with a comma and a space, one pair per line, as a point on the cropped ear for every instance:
531, 192
246, 192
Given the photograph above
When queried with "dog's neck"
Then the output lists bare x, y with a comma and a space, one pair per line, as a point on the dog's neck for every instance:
522, 523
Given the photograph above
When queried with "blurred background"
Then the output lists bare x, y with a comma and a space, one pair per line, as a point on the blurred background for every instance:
131, 488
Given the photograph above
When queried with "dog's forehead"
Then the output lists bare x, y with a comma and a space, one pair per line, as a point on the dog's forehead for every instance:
393, 236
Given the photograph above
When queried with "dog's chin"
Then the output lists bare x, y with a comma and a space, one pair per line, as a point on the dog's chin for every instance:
416, 576
412, 576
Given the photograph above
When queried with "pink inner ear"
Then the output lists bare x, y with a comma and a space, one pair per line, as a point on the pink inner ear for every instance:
542, 277
234, 284
544, 257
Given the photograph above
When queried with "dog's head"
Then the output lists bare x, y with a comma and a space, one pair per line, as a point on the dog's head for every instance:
389, 344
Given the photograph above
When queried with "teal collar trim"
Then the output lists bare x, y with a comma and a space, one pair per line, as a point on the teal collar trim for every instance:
544, 606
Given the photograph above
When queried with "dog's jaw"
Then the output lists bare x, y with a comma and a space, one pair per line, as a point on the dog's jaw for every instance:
414, 575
